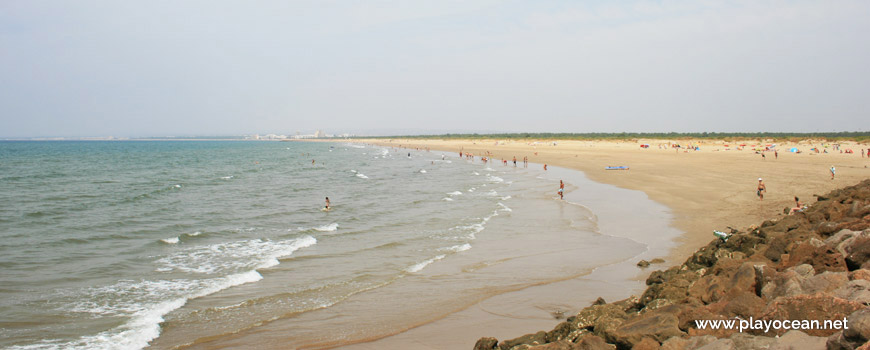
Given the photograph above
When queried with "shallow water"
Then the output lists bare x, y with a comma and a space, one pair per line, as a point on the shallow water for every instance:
118, 245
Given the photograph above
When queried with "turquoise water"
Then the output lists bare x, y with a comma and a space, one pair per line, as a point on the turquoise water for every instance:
118, 245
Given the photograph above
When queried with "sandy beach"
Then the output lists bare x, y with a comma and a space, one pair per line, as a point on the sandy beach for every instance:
711, 187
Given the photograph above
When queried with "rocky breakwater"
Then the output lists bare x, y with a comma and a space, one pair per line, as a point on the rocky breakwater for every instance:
814, 265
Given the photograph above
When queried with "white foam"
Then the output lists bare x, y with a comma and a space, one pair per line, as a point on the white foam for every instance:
476, 173
193, 234
141, 302
492, 193
447, 199
455, 193
505, 198
495, 179
504, 207
360, 175
472, 189
327, 228
177, 186
422, 171
457, 248
488, 169
232, 257
421, 265
171, 240
227, 177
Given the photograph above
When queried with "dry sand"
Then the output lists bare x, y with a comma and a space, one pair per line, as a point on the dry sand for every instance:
710, 188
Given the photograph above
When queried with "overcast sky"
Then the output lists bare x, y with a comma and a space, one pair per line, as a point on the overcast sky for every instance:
149, 68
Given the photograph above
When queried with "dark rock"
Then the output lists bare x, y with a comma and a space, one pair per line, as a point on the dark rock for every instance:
643, 263
657, 261
822, 258
486, 343
528, 339
588, 317
599, 301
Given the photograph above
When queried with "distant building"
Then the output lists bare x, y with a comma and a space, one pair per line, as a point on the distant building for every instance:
319, 133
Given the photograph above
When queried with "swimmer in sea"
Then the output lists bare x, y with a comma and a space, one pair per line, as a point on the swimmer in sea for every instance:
327, 204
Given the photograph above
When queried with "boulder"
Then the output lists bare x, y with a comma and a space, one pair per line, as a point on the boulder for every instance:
810, 307
591, 342
528, 339
486, 343
588, 317
560, 345
822, 258
856, 290
824, 282
659, 325
744, 305
657, 261
795, 339
642, 263
859, 326
858, 253
647, 344
746, 341
860, 274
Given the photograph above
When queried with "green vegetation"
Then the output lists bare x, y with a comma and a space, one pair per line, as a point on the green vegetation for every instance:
783, 136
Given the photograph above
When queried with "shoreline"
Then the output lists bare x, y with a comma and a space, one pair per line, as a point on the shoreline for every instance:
510, 313
693, 223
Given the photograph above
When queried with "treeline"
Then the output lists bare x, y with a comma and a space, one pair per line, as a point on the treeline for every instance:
789, 136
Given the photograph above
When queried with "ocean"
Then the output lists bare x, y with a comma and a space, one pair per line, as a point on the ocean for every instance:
166, 244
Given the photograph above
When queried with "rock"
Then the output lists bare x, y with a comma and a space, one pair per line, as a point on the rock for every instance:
562, 331
657, 261
860, 274
822, 258
858, 253
591, 342
810, 307
824, 282
839, 237
599, 301
528, 339
859, 326
588, 317
560, 345
719, 344
744, 305
746, 341
643, 263
795, 339
486, 343
856, 290
784, 284
647, 344
657, 325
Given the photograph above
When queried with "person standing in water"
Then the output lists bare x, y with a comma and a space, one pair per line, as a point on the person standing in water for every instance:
561, 190
761, 189
327, 204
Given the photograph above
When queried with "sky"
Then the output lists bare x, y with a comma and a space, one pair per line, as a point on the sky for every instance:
183, 68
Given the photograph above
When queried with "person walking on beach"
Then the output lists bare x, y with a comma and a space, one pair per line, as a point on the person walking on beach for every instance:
761, 189
545, 167
525, 161
515, 161
762, 156
561, 190
833, 172
775, 154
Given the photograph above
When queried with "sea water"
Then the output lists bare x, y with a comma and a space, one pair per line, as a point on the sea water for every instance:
124, 245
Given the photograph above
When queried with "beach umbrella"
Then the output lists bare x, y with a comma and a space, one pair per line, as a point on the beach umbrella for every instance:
793, 149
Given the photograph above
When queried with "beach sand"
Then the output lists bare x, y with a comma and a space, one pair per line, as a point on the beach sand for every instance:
706, 189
